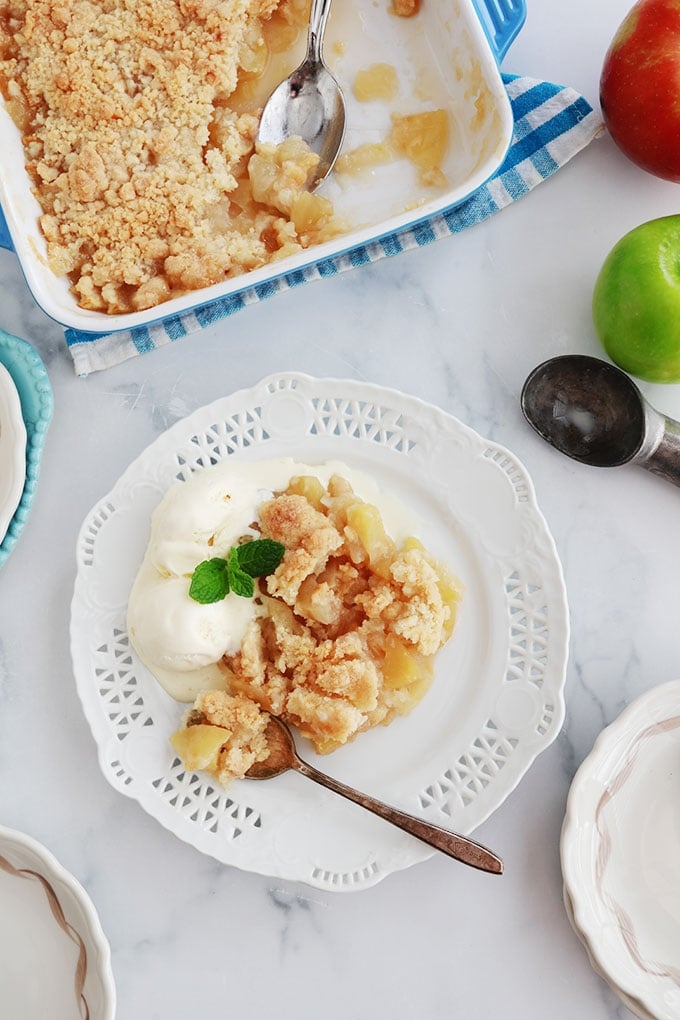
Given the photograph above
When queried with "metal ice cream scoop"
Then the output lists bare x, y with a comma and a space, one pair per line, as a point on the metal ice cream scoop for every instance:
593, 412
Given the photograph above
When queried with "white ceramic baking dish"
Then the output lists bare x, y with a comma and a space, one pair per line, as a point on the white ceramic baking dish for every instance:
449, 55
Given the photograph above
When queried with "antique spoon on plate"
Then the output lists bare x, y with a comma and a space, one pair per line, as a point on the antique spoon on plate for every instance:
309, 103
593, 412
283, 756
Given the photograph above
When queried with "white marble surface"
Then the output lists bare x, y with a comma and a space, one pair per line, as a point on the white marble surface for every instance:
459, 323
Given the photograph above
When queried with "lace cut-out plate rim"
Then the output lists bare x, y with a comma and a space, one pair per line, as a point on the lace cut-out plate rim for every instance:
59, 921
466, 745
619, 849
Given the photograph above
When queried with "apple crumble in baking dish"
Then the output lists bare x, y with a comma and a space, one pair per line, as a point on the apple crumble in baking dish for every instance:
139, 159
139, 122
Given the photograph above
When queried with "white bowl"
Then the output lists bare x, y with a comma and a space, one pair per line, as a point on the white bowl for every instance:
620, 851
636, 1008
49, 930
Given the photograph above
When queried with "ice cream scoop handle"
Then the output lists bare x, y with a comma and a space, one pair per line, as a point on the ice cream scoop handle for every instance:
664, 460
450, 843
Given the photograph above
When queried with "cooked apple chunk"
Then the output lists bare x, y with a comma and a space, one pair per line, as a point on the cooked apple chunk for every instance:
199, 745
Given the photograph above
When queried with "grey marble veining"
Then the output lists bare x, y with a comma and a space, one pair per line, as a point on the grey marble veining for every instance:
460, 324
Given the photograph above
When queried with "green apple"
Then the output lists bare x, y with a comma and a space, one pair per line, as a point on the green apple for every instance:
636, 301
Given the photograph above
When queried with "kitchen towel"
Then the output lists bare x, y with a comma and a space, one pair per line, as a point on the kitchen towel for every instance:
552, 124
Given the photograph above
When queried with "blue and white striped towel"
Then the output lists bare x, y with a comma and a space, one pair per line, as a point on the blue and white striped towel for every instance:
552, 124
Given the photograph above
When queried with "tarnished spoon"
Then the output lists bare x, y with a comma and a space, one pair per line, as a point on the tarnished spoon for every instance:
309, 103
593, 412
283, 756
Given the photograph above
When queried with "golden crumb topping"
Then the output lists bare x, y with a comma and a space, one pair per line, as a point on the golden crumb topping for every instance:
309, 537
410, 603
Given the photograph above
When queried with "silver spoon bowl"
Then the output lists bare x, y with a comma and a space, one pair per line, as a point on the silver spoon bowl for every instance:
309, 104
283, 756
594, 413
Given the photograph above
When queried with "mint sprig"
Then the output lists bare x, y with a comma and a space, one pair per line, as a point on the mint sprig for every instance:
213, 579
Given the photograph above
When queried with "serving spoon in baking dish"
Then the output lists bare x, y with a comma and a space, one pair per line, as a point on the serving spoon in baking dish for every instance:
283, 757
594, 413
309, 104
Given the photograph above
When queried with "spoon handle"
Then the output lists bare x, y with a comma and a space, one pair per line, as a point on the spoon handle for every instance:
459, 847
665, 459
317, 27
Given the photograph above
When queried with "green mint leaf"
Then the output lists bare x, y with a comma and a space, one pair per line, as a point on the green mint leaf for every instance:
240, 582
209, 581
212, 580
260, 557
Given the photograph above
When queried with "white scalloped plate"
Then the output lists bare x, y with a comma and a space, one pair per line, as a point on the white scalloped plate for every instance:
54, 957
635, 1007
12, 450
497, 697
620, 851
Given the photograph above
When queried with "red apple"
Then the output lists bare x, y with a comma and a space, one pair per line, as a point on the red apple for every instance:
640, 87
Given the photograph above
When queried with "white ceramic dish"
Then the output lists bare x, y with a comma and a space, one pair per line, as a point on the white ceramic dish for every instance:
444, 57
54, 957
635, 1007
497, 698
12, 450
620, 850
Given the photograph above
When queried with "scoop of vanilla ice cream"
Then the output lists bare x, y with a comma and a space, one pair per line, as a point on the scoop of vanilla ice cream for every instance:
203, 518
173, 631
178, 639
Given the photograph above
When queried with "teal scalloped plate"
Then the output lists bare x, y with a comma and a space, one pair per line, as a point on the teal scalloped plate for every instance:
37, 404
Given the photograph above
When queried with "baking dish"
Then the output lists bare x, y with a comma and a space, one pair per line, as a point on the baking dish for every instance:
448, 55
